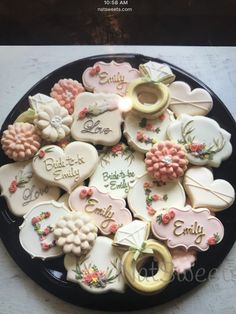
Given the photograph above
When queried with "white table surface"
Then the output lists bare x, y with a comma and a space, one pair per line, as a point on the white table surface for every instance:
20, 69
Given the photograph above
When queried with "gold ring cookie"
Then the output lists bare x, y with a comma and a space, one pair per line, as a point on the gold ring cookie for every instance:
149, 284
147, 97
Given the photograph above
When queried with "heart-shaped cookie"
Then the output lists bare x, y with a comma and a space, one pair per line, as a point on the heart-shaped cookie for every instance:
183, 100
65, 168
204, 191
23, 189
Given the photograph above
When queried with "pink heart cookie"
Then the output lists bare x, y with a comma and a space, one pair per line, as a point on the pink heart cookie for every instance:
109, 213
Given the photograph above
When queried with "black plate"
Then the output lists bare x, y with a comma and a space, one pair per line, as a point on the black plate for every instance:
51, 274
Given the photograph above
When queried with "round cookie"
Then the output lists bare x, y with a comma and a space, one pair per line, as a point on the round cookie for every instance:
36, 232
75, 233
117, 169
149, 99
142, 133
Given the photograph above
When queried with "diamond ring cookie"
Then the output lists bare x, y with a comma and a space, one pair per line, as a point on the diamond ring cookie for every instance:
149, 99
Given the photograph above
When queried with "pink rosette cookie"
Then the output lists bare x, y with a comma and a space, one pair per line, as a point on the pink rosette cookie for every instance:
166, 161
65, 91
20, 141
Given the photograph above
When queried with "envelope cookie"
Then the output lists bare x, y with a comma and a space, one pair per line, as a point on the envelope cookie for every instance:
205, 142
204, 191
110, 77
65, 168
142, 133
97, 119
117, 169
109, 213
23, 189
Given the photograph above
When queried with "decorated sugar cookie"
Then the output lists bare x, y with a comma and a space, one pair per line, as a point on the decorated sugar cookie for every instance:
99, 271
188, 228
147, 197
134, 237
110, 77
204, 191
118, 168
149, 99
22, 189
157, 72
53, 122
205, 142
142, 133
65, 92
65, 168
166, 161
97, 119
20, 141
36, 232
109, 213
75, 233
183, 260
197, 102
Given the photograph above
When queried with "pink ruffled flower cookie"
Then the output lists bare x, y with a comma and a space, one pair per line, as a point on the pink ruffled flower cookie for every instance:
65, 91
166, 161
20, 141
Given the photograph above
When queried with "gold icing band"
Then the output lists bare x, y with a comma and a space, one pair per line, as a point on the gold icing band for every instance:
156, 282
141, 87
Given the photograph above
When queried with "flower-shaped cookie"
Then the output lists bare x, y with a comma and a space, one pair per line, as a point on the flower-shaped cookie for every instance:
54, 122
166, 161
183, 260
75, 233
65, 91
20, 141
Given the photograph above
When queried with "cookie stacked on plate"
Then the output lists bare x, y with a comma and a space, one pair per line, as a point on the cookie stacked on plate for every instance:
115, 170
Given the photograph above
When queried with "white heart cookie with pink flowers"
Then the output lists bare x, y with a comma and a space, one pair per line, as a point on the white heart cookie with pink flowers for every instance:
204, 191
196, 102
97, 118
65, 168
188, 228
109, 213
23, 189
110, 77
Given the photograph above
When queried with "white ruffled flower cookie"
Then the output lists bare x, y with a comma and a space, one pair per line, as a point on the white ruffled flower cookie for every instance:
54, 122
